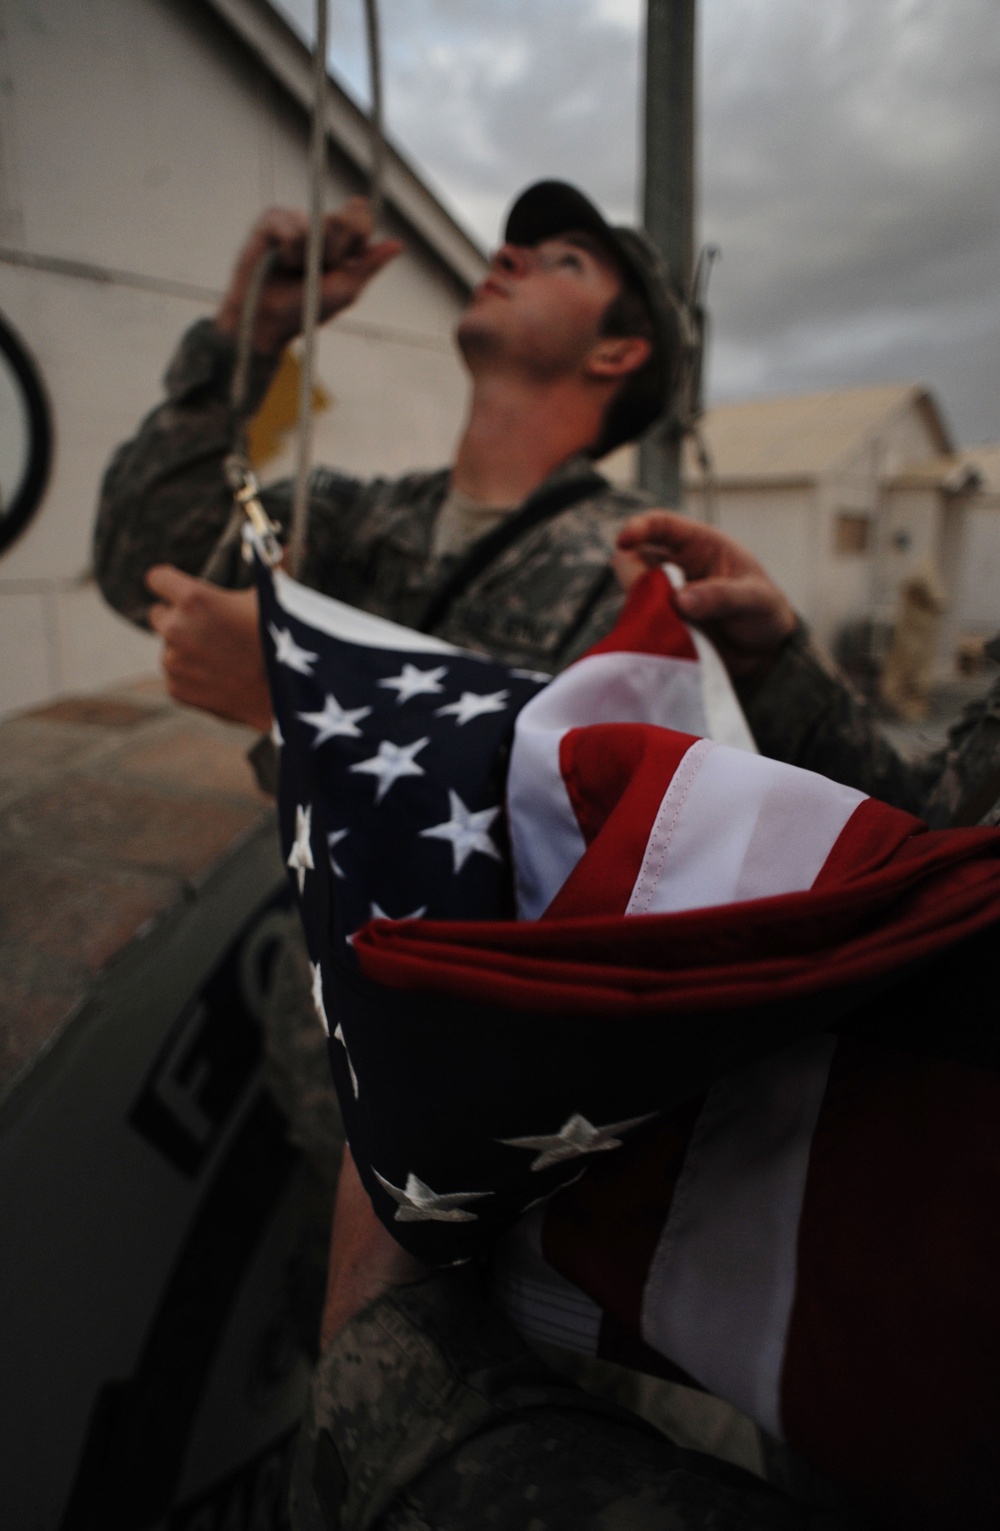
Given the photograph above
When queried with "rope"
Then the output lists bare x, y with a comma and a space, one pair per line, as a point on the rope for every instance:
237, 465
239, 474
244, 337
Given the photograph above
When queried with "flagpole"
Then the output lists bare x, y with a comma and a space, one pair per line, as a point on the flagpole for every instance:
669, 196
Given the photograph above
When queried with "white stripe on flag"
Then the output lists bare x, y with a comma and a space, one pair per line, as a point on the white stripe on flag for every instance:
719, 1293
352, 625
541, 1304
733, 827
723, 713
604, 688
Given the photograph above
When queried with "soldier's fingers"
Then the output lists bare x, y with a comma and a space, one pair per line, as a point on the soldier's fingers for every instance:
160, 618
663, 534
628, 567
172, 585
648, 524
347, 231
377, 256
283, 227
722, 599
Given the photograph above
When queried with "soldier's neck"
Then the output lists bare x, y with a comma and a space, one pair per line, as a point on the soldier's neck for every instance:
518, 433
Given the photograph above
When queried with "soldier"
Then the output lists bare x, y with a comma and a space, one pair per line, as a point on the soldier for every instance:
571, 345
427, 1408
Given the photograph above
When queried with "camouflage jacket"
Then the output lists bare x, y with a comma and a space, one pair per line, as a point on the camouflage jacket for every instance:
428, 1413
541, 603
803, 712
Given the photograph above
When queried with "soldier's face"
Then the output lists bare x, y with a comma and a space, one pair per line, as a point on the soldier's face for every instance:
540, 307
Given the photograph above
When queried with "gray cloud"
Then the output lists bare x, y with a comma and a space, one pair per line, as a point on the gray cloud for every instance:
848, 166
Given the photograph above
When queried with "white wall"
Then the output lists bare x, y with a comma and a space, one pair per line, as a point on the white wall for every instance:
139, 137
978, 594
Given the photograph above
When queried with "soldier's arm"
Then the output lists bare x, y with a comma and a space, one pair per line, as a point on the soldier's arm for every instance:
427, 1409
801, 711
164, 498
798, 708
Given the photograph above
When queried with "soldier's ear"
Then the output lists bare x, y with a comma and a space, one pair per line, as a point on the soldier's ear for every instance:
614, 356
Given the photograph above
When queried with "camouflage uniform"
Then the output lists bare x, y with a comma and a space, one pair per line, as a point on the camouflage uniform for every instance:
539, 605
428, 1411
803, 712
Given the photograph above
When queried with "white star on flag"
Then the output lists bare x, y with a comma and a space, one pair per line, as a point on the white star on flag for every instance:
391, 762
338, 1036
317, 996
333, 839
287, 651
277, 737
300, 857
378, 913
333, 722
576, 1136
472, 704
412, 682
419, 1204
466, 831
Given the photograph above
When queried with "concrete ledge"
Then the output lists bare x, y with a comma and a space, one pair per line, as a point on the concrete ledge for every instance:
113, 809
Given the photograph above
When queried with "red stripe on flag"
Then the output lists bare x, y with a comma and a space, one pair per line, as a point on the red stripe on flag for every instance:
649, 624
615, 776
892, 1365
938, 889
871, 838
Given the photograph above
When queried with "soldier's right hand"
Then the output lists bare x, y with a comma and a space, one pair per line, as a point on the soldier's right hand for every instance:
350, 260
212, 656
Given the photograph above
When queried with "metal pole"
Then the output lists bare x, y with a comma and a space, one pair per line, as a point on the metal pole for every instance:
668, 194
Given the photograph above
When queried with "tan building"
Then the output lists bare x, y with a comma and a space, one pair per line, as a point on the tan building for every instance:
840, 494
138, 141
977, 589
845, 494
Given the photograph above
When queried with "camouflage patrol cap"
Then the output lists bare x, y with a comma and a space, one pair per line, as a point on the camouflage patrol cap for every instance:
550, 208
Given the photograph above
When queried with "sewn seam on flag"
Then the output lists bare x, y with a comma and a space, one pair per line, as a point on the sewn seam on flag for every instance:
666, 821
721, 1284
604, 687
738, 827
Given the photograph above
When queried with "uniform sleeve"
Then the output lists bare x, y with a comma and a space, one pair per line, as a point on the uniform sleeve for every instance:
804, 713
428, 1413
595, 622
163, 498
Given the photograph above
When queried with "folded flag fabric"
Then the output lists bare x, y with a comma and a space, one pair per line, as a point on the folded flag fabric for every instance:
394, 748
659, 876
631, 1085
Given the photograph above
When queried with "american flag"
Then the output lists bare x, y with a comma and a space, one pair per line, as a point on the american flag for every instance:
578, 946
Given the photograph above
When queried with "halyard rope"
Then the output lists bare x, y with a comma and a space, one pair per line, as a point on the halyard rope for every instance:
239, 474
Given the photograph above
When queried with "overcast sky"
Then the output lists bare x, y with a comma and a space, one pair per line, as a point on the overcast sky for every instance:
848, 165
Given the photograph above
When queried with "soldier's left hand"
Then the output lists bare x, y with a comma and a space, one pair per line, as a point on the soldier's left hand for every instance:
728, 593
211, 647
